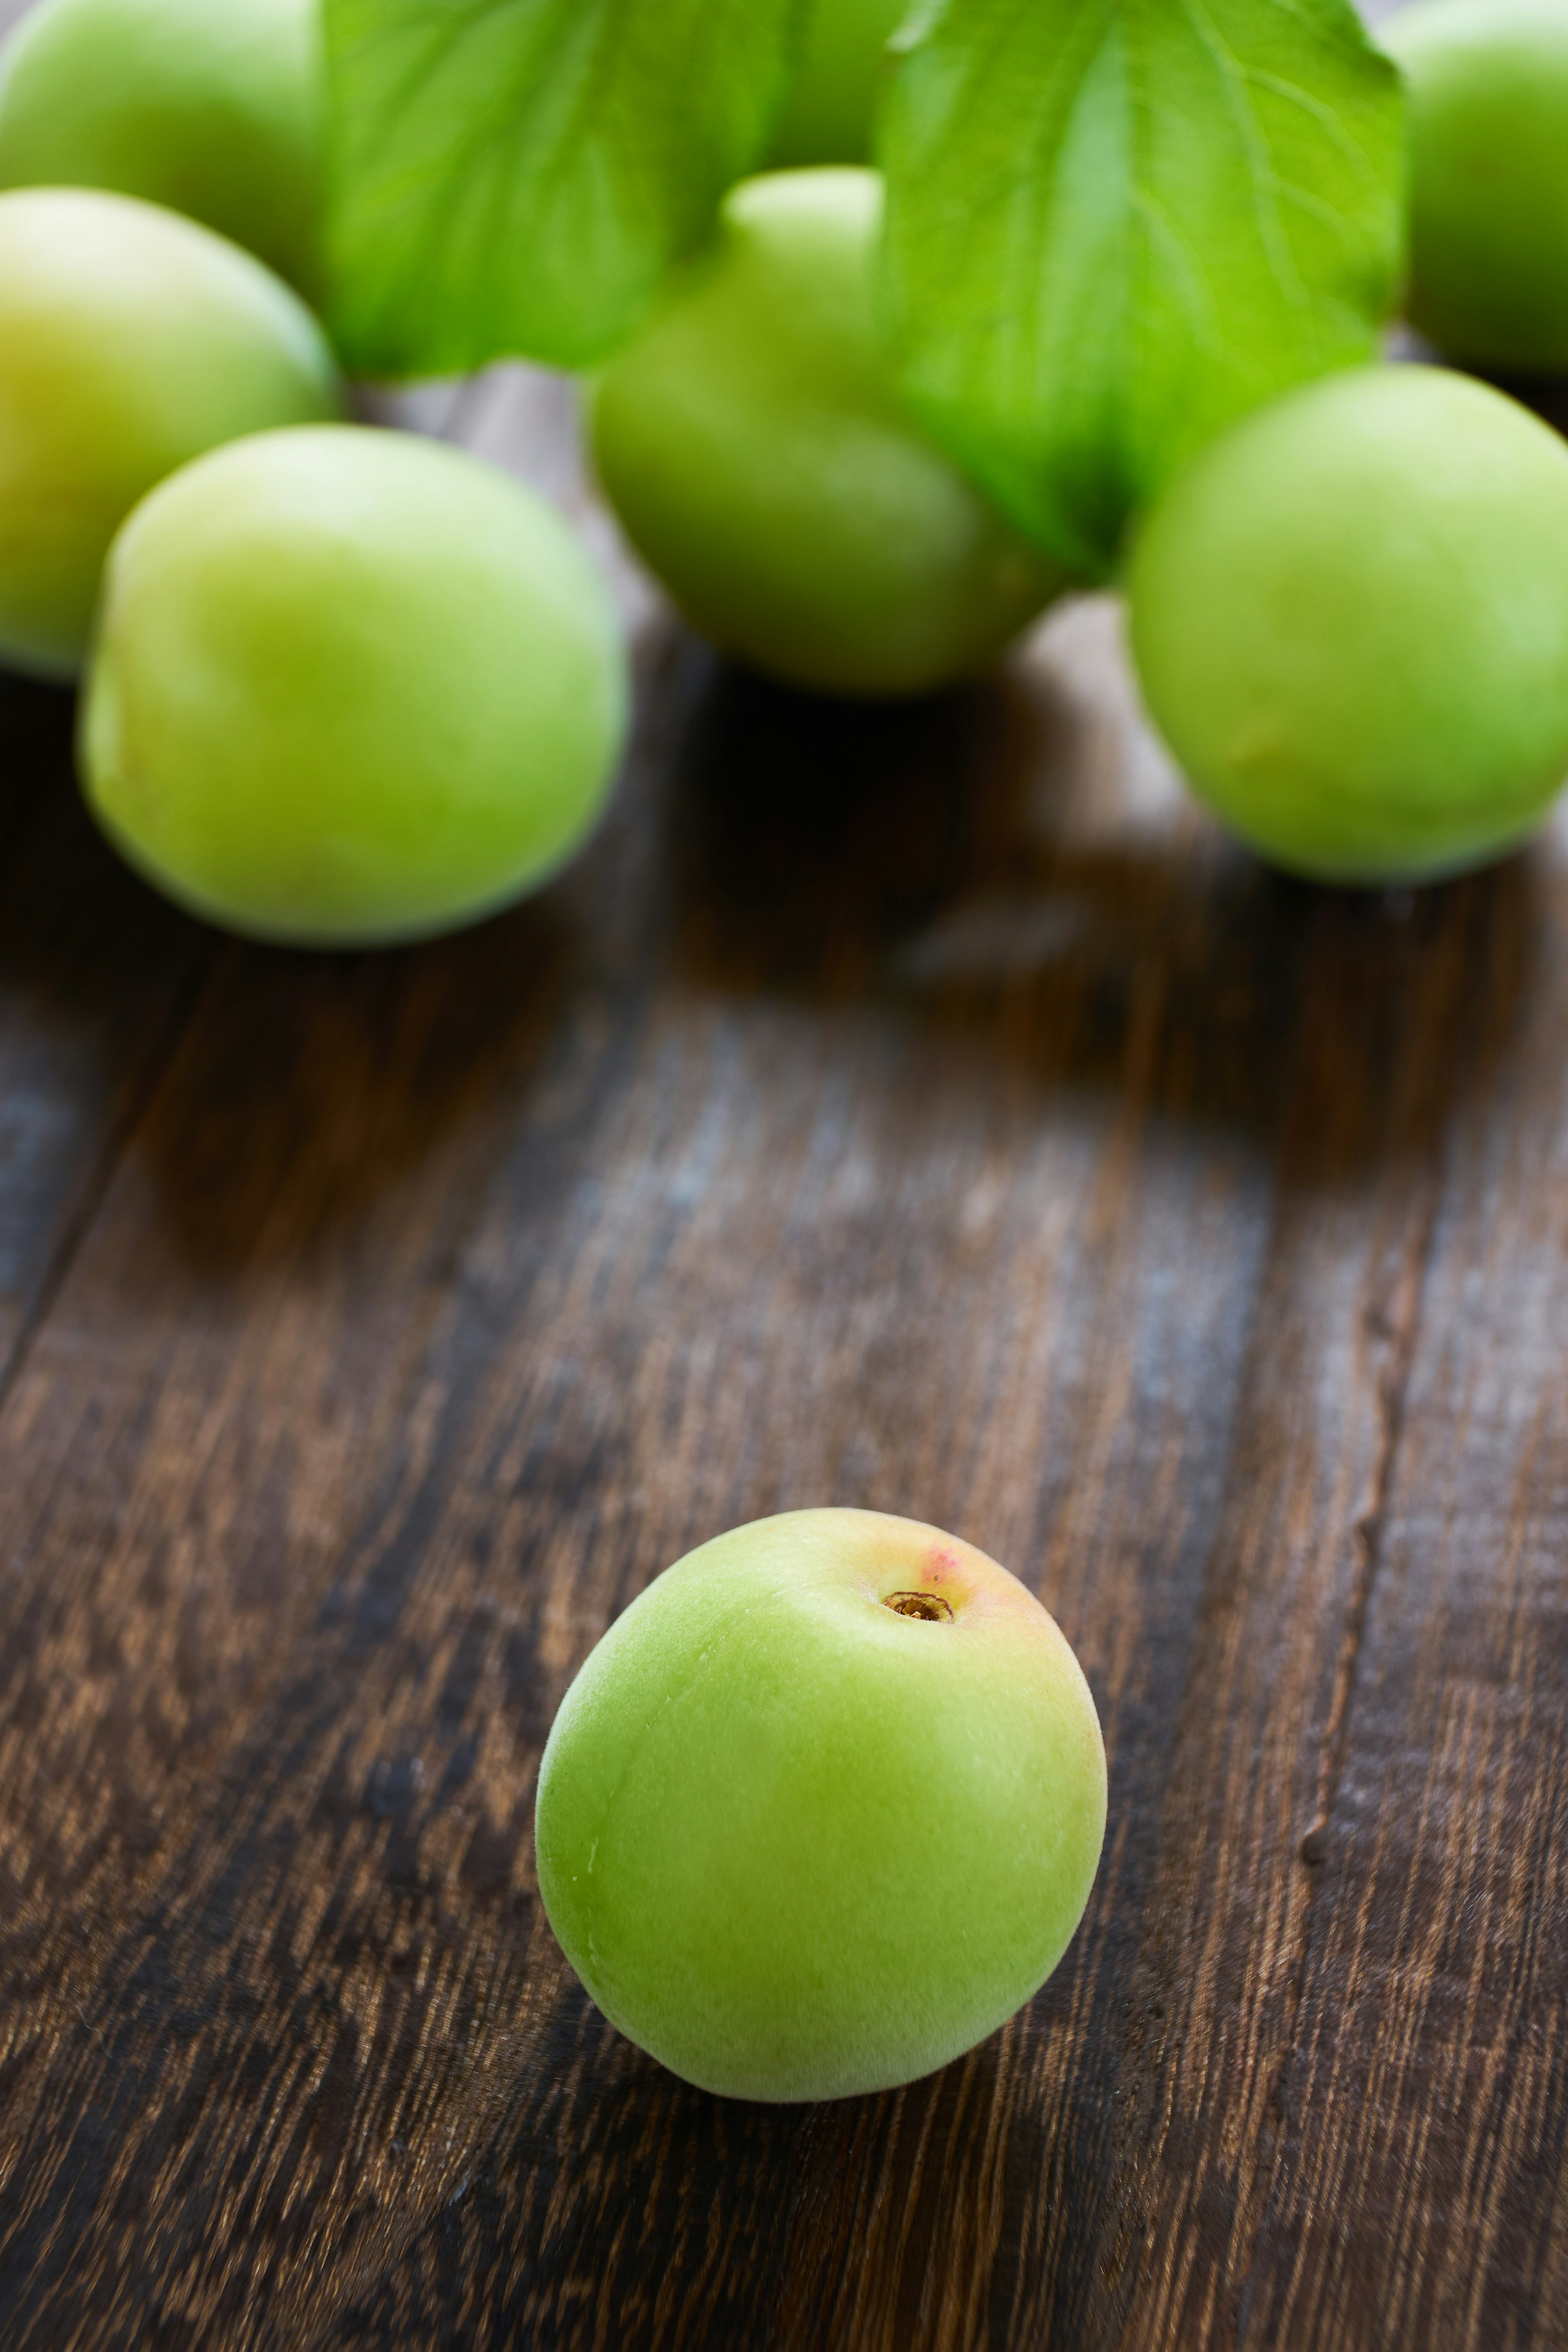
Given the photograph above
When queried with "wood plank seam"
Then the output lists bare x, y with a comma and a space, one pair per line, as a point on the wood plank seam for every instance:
1370, 1532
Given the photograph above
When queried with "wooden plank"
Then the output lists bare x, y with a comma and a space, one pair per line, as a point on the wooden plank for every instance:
188, 1448
1420, 2193
1246, 1826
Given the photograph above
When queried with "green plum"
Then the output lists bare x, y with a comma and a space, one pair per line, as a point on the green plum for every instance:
829, 116
349, 687
1349, 618
1488, 195
823, 1808
753, 447
215, 107
131, 340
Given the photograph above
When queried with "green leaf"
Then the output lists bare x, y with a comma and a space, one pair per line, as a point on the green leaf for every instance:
1115, 225
519, 176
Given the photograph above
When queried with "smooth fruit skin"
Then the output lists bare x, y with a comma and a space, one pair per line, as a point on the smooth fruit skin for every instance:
350, 687
131, 340
753, 447
1488, 190
798, 1846
215, 107
1349, 618
832, 105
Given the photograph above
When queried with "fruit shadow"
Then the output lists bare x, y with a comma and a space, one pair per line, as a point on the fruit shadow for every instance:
307, 1088
1547, 396
858, 2217
1014, 869
78, 935
93, 971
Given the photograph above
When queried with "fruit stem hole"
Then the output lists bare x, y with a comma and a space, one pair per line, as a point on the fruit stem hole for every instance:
929, 1605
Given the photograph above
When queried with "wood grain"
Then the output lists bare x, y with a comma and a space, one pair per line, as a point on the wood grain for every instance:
915, 1108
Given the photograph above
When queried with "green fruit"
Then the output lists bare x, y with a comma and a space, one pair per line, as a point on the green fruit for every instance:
754, 448
349, 687
832, 102
131, 340
215, 107
823, 1809
1349, 618
1489, 219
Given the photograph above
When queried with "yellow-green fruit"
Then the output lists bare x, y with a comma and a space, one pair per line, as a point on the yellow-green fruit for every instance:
823, 1809
215, 107
1349, 618
753, 445
1488, 178
131, 340
350, 687
832, 105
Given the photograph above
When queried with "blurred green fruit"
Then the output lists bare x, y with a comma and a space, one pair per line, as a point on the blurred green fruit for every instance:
350, 687
823, 1809
833, 102
1349, 618
753, 447
215, 107
131, 340
1488, 194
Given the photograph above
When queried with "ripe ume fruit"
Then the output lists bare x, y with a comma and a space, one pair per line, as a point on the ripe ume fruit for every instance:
1488, 178
215, 107
350, 687
1350, 617
754, 448
131, 340
823, 1809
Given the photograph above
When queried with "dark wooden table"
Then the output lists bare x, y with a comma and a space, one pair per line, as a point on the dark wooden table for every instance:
923, 1108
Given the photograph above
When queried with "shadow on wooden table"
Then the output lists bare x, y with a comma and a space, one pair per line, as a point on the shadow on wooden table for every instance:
77, 928
311, 1085
976, 865
962, 865
524, 2245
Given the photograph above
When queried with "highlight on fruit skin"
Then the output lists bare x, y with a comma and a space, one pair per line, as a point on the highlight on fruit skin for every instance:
823, 1809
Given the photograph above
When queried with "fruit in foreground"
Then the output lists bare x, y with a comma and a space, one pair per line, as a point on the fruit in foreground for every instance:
349, 687
831, 109
1349, 618
1488, 178
823, 1809
753, 447
215, 107
131, 340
